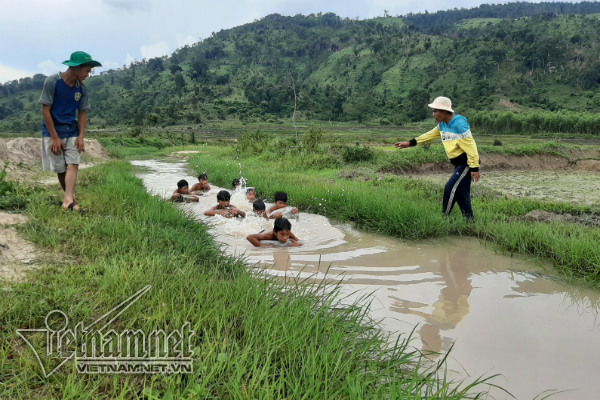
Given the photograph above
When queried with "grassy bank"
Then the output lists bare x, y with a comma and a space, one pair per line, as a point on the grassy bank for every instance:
252, 338
360, 192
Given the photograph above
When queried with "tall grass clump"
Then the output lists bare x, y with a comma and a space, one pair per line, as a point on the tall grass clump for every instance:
254, 336
504, 122
357, 153
14, 196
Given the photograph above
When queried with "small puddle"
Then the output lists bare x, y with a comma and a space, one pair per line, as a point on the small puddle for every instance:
500, 314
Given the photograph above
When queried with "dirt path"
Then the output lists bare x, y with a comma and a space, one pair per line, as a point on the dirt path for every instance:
17, 255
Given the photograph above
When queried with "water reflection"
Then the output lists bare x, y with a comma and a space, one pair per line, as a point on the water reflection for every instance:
502, 315
450, 308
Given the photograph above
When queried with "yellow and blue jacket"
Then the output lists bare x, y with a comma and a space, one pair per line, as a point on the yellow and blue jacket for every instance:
457, 139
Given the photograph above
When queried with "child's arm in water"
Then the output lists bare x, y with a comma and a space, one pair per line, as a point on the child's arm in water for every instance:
213, 211
295, 241
200, 186
226, 212
176, 195
236, 212
270, 210
256, 238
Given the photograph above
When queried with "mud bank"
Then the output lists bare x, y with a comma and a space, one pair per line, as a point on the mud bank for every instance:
24, 156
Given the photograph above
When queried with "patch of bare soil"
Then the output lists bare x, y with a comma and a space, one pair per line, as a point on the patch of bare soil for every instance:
585, 161
572, 178
508, 105
17, 255
185, 154
567, 186
545, 216
25, 156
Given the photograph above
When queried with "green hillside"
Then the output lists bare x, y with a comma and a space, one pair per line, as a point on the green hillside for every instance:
518, 58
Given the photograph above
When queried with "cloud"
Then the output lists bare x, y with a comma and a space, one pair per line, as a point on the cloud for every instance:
155, 50
48, 67
130, 5
8, 74
183, 40
108, 65
129, 59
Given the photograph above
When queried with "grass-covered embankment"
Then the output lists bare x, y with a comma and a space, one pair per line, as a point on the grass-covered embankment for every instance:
252, 338
403, 206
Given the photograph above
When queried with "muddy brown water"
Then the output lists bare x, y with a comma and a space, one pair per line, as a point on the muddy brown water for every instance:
500, 314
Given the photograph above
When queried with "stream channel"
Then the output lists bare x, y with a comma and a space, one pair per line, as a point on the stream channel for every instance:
500, 314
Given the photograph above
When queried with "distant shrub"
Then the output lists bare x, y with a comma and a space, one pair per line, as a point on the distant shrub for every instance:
312, 139
497, 142
357, 153
279, 146
253, 142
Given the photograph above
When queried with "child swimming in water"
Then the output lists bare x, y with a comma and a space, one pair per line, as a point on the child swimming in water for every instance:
280, 208
183, 192
224, 208
258, 206
281, 232
250, 194
202, 185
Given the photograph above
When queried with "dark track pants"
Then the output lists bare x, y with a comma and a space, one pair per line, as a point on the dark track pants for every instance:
458, 190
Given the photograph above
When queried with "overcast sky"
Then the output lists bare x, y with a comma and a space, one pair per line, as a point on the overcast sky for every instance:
36, 36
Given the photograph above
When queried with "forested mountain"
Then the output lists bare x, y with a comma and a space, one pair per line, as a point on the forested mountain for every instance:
518, 56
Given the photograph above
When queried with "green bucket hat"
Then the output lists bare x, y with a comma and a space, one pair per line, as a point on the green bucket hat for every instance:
81, 58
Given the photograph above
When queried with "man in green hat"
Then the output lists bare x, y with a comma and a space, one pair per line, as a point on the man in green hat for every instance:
65, 104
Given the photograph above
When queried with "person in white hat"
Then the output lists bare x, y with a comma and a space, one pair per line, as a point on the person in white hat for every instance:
461, 149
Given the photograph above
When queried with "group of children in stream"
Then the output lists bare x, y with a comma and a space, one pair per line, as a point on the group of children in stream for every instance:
281, 233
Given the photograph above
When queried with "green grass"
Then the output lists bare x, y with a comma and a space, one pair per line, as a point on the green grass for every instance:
408, 207
255, 337
14, 196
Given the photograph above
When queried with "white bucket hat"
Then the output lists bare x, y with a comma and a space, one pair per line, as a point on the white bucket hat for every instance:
442, 103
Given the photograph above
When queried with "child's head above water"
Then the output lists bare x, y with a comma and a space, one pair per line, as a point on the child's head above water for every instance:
223, 198
223, 195
250, 193
281, 198
202, 177
282, 228
235, 183
258, 205
182, 183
